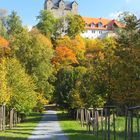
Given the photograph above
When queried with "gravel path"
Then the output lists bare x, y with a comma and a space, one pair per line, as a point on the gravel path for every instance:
48, 128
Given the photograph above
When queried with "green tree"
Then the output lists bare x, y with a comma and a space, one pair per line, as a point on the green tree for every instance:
67, 92
14, 24
101, 63
3, 20
23, 96
46, 24
35, 53
76, 25
128, 50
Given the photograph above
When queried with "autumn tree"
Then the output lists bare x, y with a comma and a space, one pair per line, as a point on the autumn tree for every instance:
64, 57
5, 93
3, 42
76, 44
35, 52
101, 62
23, 97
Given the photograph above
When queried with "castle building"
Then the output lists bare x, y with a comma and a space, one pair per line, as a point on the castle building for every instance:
95, 27
61, 8
100, 27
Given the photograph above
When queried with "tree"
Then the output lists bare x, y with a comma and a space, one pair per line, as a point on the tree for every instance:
64, 57
14, 24
5, 93
76, 25
4, 47
46, 24
3, 20
101, 62
35, 52
23, 97
3, 42
76, 44
67, 93
128, 42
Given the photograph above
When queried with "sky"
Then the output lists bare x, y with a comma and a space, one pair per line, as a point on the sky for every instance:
28, 10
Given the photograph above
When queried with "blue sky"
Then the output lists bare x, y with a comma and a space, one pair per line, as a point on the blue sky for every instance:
28, 10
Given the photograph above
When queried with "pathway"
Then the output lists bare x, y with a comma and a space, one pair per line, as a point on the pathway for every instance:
48, 128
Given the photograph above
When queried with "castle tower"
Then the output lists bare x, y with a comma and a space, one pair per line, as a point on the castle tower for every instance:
61, 8
48, 4
75, 8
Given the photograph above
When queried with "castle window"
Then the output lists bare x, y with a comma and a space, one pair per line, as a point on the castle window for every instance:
92, 25
100, 32
96, 25
86, 25
93, 31
100, 24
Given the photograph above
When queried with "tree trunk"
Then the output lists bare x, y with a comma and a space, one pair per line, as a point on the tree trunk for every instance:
1, 116
11, 118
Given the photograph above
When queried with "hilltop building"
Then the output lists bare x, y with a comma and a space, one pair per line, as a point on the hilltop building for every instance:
61, 8
100, 27
95, 27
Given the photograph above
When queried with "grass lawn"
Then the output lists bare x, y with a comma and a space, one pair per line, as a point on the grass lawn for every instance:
23, 130
74, 131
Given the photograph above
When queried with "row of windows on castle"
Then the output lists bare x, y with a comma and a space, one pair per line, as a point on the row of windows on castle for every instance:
100, 25
94, 31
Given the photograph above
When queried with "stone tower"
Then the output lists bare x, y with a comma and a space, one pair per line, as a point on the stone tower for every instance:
61, 8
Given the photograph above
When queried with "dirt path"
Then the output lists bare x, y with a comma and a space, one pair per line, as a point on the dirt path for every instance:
48, 128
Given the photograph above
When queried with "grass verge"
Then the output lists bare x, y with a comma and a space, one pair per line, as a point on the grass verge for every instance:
73, 129
22, 131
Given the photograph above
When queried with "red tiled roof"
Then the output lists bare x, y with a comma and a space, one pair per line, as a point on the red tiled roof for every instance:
105, 23
96, 20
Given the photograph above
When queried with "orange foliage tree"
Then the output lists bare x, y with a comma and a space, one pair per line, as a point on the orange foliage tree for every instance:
76, 44
4, 49
64, 56
3, 42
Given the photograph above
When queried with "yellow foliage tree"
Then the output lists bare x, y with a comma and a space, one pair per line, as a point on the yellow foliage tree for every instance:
41, 102
4, 90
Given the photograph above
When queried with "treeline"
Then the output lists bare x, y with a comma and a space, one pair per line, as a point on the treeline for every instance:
53, 63
105, 72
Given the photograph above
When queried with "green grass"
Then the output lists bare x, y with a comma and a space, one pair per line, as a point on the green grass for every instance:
74, 131
22, 131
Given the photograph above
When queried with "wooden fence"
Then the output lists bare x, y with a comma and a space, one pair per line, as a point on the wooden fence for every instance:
104, 122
